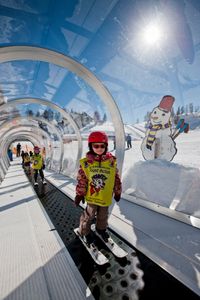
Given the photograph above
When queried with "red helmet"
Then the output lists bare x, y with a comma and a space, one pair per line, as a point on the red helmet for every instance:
36, 149
98, 137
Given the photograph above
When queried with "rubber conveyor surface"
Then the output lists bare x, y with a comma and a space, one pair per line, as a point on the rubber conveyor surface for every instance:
134, 278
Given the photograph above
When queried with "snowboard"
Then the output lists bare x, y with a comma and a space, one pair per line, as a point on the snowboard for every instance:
97, 256
111, 245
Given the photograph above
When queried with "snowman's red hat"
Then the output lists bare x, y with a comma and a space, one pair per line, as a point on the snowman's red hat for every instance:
166, 103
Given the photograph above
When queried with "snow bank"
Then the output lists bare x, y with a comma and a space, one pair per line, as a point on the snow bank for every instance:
165, 183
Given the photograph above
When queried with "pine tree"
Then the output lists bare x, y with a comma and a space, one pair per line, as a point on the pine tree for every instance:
172, 113
191, 108
96, 117
57, 116
186, 109
178, 111
104, 118
29, 112
48, 114
45, 114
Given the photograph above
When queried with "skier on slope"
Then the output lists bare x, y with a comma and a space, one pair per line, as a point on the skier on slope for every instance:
98, 179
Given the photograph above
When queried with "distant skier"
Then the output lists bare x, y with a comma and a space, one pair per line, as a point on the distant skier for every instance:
98, 179
128, 141
27, 163
22, 156
18, 150
10, 154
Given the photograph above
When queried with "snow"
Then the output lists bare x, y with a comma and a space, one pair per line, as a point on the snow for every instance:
174, 184
165, 183
109, 129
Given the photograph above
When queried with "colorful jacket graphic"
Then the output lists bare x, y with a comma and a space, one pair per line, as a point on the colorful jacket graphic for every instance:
37, 161
98, 179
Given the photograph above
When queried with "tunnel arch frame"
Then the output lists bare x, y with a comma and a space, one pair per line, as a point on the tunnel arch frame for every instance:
18, 101
5, 123
14, 53
16, 134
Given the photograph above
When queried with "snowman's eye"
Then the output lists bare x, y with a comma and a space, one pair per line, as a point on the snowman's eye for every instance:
163, 114
154, 112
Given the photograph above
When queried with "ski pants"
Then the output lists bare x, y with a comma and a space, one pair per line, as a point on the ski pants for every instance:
92, 211
129, 144
36, 174
18, 152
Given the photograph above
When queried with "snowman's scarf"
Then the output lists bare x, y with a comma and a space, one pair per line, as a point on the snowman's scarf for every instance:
153, 130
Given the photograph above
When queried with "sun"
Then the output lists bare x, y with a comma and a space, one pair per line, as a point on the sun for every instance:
152, 34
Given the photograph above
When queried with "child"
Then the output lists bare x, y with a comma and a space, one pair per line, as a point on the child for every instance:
27, 163
22, 156
98, 179
37, 165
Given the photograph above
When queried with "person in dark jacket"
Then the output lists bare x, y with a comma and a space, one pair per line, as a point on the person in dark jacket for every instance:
128, 141
10, 154
18, 150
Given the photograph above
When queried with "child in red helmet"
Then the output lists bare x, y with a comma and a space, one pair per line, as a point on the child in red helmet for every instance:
98, 179
37, 165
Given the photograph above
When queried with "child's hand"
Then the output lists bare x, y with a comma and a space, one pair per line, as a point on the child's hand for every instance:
117, 197
78, 199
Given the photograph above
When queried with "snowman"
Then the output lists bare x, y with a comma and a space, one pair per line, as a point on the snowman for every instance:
158, 142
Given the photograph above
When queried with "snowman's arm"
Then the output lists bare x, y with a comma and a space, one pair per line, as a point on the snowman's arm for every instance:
179, 126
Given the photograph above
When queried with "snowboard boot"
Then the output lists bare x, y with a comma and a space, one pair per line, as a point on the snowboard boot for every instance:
104, 234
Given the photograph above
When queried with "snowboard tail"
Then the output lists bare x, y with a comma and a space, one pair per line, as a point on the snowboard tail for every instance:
97, 256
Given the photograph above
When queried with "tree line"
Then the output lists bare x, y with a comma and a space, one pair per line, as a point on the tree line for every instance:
181, 110
81, 118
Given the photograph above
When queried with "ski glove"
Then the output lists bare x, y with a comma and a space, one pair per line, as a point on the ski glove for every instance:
117, 197
78, 199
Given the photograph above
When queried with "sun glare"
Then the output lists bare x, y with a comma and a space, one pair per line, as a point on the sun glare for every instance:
152, 34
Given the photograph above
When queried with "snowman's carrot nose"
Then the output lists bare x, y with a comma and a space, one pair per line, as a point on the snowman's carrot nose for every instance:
154, 118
